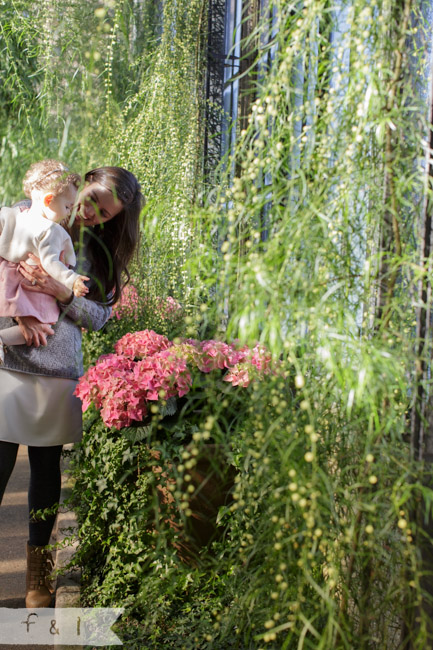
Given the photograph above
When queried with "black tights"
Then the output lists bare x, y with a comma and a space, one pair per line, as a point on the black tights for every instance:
44, 488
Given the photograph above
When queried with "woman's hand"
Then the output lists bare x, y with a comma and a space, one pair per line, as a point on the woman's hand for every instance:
39, 280
34, 332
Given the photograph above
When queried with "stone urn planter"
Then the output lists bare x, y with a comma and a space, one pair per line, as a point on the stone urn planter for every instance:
213, 479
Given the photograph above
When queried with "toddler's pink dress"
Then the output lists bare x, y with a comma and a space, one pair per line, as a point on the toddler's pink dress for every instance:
46, 240
15, 300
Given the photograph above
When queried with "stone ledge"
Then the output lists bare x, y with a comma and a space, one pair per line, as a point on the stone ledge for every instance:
68, 585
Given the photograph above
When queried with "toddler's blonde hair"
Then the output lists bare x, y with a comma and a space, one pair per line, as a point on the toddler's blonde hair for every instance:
49, 176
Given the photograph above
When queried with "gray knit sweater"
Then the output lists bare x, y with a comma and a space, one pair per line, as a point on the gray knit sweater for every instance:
62, 356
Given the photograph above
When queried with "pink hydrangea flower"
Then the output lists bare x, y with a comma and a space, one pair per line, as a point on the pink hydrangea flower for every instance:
101, 379
128, 304
216, 354
172, 308
148, 367
239, 375
138, 345
163, 373
262, 358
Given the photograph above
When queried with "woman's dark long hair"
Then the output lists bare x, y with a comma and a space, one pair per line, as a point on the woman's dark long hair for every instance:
111, 245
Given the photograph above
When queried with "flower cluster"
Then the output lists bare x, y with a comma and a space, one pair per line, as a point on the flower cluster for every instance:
170, 308
148, 366
130, 303
108, 386
216, 354
256, 362
139, 345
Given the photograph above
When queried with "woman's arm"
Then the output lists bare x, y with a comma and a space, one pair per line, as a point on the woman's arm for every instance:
86, 313
40, 281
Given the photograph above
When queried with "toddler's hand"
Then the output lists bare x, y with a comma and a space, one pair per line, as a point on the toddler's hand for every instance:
34, 332
80, 288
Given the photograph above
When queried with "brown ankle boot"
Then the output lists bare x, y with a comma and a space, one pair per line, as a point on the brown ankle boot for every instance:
38, 583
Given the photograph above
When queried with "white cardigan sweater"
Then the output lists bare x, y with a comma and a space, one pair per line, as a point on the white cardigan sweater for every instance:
22, 233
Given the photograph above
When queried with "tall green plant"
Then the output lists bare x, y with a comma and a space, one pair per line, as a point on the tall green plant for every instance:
312, 249
319, 262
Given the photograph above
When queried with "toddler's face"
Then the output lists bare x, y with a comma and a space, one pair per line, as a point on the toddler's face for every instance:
61, 205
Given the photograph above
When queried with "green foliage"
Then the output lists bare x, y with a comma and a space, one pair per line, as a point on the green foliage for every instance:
128, 545
303, 509
114, 531
146, 311
159, 135
307, 242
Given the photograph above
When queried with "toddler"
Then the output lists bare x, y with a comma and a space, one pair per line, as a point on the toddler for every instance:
37, 230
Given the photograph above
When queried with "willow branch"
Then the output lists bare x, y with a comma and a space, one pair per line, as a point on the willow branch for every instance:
391, 238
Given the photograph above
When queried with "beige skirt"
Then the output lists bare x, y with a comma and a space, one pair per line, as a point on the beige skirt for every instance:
37, 410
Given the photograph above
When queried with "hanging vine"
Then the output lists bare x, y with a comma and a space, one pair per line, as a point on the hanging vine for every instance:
310, 248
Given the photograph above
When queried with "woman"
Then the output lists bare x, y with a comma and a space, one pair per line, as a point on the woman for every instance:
37, 383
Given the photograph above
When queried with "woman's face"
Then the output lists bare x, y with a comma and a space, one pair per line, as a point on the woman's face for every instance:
96, 204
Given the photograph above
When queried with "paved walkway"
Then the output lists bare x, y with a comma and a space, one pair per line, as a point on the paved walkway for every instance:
13, 539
